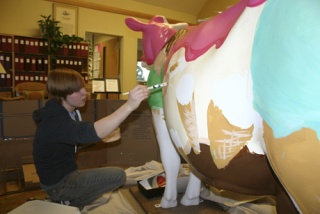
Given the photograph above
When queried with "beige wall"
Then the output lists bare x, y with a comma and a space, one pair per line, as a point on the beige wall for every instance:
113, 24
212, 7
136, 6
20, 17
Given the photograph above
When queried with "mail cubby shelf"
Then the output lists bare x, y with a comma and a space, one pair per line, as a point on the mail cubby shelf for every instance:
25, 59
74, 56
30, 45
6, 63
79, 64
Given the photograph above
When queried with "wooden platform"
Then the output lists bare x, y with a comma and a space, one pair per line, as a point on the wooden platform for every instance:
149, 205
139, 203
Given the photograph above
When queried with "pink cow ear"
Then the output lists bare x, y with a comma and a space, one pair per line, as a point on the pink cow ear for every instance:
159, 19
134, 24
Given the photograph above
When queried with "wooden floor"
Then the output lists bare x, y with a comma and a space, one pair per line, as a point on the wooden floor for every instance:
11, 201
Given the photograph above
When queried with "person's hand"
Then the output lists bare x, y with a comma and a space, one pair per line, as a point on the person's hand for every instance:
136, 96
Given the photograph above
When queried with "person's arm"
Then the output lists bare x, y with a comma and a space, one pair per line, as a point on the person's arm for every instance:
107, 124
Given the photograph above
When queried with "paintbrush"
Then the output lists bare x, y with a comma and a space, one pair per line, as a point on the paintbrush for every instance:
151, 87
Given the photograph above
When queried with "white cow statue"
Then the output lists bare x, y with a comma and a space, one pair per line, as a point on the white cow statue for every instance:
240, 102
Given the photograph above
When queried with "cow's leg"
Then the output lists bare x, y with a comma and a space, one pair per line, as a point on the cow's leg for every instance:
169, 157
191, 196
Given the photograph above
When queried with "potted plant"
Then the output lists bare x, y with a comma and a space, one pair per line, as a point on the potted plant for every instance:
50, 30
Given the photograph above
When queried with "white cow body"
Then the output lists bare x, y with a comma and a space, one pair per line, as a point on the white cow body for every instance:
223, 76
208, 109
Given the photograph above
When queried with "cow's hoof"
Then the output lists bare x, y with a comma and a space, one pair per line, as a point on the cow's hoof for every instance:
168, 203
186, 201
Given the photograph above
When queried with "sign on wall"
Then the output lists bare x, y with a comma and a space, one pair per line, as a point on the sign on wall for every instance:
68, 18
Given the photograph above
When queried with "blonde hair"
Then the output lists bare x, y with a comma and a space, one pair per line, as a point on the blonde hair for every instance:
62, 82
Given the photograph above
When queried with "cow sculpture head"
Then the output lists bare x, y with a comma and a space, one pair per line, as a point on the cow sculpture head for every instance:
155, 34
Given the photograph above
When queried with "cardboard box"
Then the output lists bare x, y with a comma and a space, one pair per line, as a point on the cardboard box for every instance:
31, 178
88, 111
92, 156
12, 150
10, 180
153, 187
27, 159
138, 143
12, 186
17, 118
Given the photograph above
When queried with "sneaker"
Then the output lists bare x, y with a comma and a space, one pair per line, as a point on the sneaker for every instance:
67, 203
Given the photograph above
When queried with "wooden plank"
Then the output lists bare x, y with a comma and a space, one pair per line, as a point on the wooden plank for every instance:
150, 205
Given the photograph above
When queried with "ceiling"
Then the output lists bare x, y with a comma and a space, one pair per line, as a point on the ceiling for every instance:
192, 7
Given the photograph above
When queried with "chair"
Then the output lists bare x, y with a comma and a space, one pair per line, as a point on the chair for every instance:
7, 96
32, 90
11, 98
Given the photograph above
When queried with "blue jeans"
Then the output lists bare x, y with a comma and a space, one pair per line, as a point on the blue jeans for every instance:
83, 187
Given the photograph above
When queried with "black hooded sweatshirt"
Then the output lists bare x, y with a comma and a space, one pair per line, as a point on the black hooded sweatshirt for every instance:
55, 140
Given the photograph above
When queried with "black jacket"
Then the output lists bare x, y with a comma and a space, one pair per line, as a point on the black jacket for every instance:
55, 139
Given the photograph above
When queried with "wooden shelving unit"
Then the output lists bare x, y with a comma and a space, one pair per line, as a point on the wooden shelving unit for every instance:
26, 59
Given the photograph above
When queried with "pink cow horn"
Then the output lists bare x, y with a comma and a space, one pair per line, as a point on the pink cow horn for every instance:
135, 25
